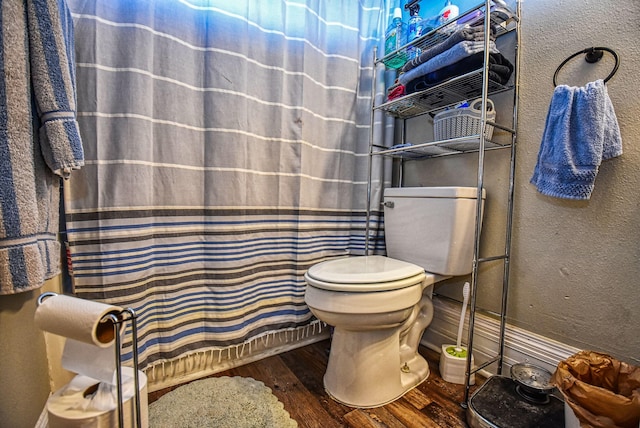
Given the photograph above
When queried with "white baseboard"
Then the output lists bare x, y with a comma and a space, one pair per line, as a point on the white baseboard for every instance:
520, 345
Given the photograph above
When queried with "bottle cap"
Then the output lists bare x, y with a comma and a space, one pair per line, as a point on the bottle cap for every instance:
397, 13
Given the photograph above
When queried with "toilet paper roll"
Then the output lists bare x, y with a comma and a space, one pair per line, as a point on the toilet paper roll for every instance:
85, 402
77, 319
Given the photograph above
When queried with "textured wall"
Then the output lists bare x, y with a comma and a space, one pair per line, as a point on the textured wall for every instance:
576, 265
24, 374
575, 274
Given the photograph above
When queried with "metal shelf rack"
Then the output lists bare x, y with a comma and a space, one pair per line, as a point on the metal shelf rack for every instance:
475, 84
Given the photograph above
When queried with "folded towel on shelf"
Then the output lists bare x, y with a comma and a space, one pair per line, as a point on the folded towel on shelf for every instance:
475, 34
500, 70
450, 56
395, 91
581, 131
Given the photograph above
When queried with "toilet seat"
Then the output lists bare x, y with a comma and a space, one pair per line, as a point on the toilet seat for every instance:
364, 274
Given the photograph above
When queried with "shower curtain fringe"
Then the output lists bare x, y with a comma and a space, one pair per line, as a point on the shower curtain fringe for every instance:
201, 363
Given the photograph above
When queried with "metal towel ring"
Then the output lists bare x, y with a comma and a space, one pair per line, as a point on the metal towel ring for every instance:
592, 55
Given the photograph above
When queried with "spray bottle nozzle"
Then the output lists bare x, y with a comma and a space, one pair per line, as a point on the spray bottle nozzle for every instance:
413, 7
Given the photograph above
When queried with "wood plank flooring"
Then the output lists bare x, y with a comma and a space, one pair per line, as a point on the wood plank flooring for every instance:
295, 377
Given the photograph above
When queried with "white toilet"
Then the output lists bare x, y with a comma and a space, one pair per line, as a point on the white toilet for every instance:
380, 306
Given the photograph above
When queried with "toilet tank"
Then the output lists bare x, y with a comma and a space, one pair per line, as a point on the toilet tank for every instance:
433, 227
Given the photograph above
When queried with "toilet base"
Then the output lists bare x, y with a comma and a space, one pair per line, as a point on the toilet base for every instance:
365, 369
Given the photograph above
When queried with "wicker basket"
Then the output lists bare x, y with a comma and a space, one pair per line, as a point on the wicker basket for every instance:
462, 122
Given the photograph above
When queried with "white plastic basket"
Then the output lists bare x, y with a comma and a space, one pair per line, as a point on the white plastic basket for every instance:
463, 122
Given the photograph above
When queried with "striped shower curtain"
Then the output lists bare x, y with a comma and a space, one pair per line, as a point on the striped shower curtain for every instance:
225, 153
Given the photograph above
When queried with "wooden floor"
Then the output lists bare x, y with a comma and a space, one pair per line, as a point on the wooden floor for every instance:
295, 377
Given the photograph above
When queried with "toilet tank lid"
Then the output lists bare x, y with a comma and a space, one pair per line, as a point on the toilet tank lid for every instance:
434, 192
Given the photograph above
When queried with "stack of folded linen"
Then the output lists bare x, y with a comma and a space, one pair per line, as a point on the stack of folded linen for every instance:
466, 33
460, 53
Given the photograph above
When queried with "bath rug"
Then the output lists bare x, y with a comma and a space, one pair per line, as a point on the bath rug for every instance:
221, 402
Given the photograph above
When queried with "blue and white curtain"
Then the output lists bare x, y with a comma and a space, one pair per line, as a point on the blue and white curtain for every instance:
226, 152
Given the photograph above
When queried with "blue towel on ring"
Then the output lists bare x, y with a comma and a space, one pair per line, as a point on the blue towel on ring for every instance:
581, 131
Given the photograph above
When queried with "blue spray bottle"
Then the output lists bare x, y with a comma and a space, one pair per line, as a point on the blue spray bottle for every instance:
415, 28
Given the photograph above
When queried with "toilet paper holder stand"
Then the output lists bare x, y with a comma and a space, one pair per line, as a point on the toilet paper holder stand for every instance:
119, 319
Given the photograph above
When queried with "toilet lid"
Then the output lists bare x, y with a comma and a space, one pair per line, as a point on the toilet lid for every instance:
364, 273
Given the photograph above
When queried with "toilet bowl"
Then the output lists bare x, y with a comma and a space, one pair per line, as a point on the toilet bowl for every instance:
379, 306
371, 320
